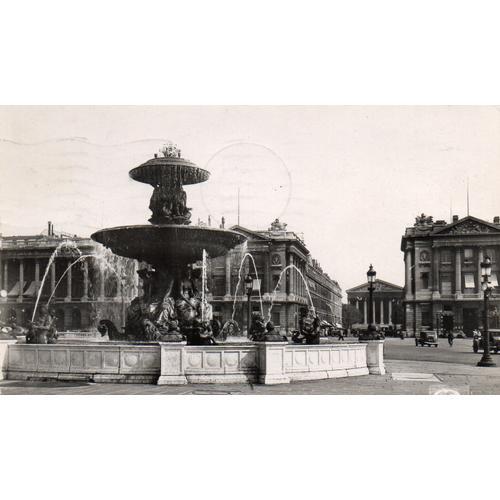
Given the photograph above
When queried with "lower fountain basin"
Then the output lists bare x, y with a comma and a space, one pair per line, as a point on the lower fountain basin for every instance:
178, 243
178, 363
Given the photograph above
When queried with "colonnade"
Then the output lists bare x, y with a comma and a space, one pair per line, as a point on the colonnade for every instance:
362, 306
6, 273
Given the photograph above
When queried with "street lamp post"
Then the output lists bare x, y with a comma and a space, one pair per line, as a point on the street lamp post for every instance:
371, 274
371, 333
249, 289
486, 360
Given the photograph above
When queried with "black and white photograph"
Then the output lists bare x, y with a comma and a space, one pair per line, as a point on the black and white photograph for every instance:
249, 249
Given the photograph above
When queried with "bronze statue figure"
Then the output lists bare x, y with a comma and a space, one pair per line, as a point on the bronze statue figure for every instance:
43, 330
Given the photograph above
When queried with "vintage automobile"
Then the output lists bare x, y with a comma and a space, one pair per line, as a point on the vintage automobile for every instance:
427, 337
478, 342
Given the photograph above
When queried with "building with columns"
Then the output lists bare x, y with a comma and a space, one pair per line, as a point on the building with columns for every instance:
443, 272
273, 250
387, 304
80, 282
88, 283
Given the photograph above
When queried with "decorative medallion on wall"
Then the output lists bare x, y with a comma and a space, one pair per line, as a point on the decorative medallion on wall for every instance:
424, 256
276, 260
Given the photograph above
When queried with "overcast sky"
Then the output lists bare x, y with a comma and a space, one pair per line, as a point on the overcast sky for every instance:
349, 178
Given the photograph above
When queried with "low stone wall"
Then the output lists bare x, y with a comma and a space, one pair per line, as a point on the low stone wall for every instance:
311, 362
86, 362
177, 363
263, 362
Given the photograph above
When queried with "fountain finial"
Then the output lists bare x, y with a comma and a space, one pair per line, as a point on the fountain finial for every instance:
170, 150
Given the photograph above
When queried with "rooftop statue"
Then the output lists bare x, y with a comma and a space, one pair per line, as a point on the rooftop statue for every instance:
423, 220
278, 226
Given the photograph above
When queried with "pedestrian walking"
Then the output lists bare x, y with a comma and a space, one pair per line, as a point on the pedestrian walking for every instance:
450, 338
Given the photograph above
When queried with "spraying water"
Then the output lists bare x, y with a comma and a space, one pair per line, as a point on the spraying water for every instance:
291, 266
83, 257
66, 243
203, 284
247, 254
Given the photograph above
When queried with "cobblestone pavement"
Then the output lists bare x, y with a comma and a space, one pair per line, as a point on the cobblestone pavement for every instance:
420, 371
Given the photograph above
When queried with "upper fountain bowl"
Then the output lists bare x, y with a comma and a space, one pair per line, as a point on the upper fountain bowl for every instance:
153, 170
168, 243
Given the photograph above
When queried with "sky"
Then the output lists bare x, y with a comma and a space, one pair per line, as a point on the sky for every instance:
347, 178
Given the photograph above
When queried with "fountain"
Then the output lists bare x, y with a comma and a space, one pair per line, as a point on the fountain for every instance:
167, 337
173, 306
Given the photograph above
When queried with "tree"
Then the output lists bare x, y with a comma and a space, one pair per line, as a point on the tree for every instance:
350, 315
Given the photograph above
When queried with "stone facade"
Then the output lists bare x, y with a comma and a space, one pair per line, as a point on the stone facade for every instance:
273, 250
89, 290
387, 304
82, 292
443, 273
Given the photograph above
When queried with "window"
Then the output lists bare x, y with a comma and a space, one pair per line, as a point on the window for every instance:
425, 280
219, 286
468, 254
275, 317
446, 287
494, 279
426, 316
469, 281
445, 257
491, 254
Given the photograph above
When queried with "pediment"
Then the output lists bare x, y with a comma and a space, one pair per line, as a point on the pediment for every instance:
469, 225
379, 286
248, 233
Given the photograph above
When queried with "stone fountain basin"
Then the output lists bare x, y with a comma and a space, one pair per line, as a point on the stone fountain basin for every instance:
178, 363
179, 243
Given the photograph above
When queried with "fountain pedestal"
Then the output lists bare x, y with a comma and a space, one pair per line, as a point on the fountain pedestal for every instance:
172, 364
4, 348
272, 368
374, 356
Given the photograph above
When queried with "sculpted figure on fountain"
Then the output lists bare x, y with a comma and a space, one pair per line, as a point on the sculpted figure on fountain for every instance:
168, 202
309, 329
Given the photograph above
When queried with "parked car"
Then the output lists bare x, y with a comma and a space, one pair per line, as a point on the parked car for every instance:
478, 342
427, 337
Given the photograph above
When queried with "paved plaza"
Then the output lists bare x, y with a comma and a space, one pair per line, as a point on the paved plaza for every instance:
410, 370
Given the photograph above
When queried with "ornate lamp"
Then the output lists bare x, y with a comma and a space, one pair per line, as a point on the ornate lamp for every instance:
371, 274
486, 360
371, 333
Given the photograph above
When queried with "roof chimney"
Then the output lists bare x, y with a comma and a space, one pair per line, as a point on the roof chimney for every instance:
49, 228
496, 219
455, 218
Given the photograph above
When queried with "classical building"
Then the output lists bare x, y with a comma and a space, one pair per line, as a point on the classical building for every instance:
273, 250
387, 304
85, 282
443, 272
82, 281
